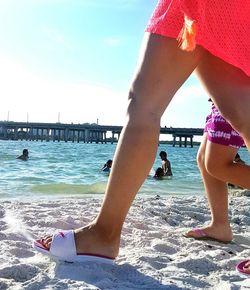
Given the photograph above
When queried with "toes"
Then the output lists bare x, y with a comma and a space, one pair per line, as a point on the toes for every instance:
247, 266
189, 233
247, 270
46, 241
195, 233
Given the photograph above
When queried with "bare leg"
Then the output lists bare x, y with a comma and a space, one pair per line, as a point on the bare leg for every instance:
229, 89
247, 267
161, 72
217, 194
219, 163
155, 84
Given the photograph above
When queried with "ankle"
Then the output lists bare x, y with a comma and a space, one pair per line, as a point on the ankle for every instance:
91, 240
220, 224
110, 235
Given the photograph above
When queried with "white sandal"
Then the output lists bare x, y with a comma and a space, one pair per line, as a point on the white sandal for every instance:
63, 248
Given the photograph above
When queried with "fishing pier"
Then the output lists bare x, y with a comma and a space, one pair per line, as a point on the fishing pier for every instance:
87, 133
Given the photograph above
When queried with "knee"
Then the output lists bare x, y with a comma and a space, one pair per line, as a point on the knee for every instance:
140, 110
216, 169
211, 167
200, 159
241, 125
238, 120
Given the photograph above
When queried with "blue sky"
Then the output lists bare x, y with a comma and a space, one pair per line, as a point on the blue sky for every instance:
77, 57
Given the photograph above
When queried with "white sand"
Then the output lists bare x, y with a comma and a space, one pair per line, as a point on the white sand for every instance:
154, 254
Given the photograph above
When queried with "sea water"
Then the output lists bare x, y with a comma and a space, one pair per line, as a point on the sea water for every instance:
57, 169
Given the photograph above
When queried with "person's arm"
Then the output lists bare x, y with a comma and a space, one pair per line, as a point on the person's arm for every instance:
169, 170
164, 167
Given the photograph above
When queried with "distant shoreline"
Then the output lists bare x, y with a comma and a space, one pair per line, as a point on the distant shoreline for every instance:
168, 142
86, 133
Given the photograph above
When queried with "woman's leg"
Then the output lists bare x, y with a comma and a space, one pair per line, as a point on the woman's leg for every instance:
162, 69
217, 194
219, 163
229, 89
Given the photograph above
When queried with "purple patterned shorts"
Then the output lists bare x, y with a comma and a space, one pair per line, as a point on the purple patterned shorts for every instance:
219, 131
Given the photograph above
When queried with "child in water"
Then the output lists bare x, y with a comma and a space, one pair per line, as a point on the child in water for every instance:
25, 155
107, 166
166, 165
159, 173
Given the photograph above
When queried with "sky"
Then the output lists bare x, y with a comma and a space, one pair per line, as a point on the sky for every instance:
72, 61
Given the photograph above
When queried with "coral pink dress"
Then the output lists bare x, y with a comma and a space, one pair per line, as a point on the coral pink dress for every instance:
220, 26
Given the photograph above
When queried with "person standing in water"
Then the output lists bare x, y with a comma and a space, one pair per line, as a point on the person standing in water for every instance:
25, 155
166, 165
107, 166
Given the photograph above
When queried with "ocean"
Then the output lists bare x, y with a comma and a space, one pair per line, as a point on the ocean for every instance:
59, 169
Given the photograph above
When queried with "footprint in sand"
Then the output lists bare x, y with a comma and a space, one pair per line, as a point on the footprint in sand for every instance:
19, 273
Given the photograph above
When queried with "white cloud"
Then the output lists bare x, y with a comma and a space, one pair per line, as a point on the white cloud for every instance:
56, 37
23, 92
188, 93
113, 41
188, 108
120, 4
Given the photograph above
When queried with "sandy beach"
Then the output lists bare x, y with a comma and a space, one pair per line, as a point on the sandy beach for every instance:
154, 253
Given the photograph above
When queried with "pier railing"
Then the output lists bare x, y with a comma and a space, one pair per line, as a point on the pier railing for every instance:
87, 133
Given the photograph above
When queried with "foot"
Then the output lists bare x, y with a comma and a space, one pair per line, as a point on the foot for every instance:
89, 240
244, 267
221, 233
247, 267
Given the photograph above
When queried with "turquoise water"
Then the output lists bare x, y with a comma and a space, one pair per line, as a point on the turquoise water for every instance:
74, 169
